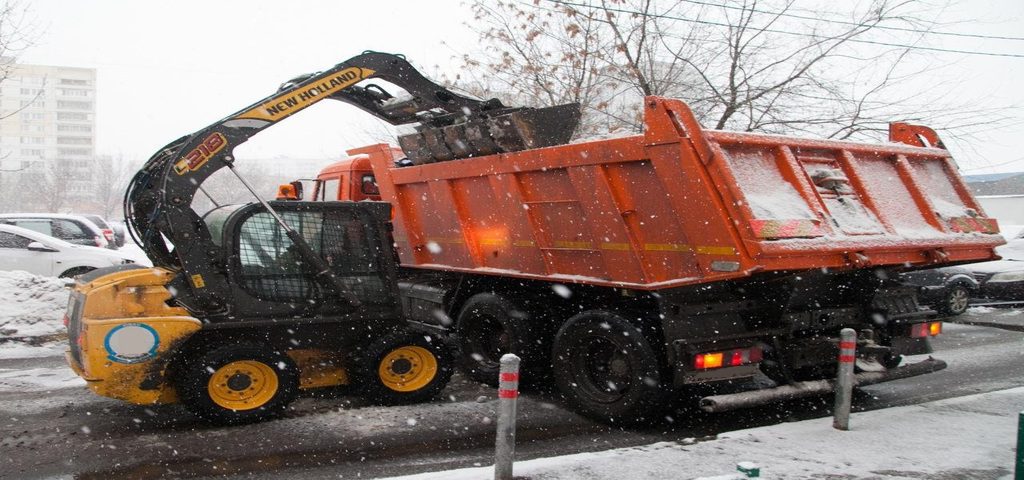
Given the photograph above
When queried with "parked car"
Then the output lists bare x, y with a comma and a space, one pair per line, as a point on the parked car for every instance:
106, 228
70, 228
120, 232
1002, 279
33, 252
948, 289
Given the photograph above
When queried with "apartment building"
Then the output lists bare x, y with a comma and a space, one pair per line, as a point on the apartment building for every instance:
48, 127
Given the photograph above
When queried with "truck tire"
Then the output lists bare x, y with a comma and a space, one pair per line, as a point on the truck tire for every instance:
489, 326
606, 369
403, 367
239, 383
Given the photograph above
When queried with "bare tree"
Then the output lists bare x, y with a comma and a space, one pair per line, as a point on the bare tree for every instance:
751, 65
54, 188
110, 181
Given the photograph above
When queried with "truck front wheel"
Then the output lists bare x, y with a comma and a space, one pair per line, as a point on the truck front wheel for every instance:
238, 383
606, 369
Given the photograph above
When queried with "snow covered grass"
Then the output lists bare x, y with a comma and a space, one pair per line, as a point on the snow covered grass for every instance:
31, 306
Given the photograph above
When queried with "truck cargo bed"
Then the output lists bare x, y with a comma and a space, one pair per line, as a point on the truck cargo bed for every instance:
678, 205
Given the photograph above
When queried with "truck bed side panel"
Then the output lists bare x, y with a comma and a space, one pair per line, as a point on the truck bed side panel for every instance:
678, 205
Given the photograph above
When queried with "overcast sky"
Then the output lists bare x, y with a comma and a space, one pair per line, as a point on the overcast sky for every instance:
166, 69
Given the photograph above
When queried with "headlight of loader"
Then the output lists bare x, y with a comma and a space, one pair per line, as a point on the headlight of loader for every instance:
1007, 277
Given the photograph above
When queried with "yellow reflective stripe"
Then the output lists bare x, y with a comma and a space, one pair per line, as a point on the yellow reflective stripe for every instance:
716, 251
615, 246
667, 247
567, 244
523, 243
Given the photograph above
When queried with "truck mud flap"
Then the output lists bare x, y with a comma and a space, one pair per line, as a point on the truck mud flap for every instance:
752, 398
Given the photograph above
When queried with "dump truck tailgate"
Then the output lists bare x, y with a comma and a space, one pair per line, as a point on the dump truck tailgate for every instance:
679, 205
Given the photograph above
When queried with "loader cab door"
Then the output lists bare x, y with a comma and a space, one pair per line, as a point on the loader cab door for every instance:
268, 273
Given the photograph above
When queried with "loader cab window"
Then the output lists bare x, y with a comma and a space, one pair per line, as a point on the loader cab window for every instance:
271, 268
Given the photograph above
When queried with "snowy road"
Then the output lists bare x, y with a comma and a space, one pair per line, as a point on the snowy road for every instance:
50, 426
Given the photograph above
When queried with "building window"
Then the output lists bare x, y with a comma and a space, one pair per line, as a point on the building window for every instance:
33, 103
74, 105
31, 91
74, 81
31, 152
74, 141
32, 116
72, 116
73, 92
32, 140
74, 128
73, 151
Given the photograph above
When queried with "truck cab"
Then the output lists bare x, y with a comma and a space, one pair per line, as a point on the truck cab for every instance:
352, 177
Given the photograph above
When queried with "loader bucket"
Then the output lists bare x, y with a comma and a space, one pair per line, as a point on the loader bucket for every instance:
521, 129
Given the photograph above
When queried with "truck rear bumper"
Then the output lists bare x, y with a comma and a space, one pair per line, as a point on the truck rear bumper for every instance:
733, 401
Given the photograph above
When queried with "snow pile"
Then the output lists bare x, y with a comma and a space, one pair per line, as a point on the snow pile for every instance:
964, 437
31, 306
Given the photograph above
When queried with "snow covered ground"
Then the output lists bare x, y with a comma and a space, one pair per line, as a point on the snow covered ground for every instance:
966, 437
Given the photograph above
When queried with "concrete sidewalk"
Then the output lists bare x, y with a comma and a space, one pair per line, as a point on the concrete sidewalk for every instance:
971, 437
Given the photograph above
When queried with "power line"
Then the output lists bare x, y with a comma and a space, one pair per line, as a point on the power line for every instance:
855, 24
784, 32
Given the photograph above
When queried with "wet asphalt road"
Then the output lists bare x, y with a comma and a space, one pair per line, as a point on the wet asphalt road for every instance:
71, 433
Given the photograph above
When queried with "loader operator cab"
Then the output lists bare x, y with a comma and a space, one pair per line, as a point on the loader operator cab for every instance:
264, 268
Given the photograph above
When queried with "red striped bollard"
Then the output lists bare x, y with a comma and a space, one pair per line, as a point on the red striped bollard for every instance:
508, 392
844, 379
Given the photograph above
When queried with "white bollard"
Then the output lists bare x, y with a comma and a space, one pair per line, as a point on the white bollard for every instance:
508, 392
844, 379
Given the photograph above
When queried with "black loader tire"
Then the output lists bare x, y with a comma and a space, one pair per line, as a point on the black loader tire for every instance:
403, 367
489, 326
955, 301
606, 369
238, 383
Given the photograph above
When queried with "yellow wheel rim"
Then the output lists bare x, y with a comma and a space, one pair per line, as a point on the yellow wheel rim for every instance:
243, 385
407, 369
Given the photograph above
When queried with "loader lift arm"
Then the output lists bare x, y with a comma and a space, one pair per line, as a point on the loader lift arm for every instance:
159, 197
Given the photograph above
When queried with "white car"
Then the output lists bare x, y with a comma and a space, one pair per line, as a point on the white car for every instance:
34, 252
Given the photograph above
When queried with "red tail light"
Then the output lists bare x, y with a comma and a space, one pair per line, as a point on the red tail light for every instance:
108, 234
921, 330
730, 358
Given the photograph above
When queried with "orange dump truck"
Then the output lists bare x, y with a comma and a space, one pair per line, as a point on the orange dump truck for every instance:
632, 268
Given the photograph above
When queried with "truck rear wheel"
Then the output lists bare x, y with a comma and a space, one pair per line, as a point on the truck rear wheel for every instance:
239, 383
404, 367
488, 327
606, 369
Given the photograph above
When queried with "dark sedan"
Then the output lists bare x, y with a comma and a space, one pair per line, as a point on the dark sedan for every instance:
948, 289
1002, 279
